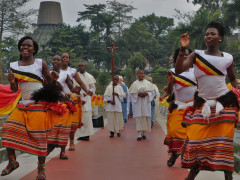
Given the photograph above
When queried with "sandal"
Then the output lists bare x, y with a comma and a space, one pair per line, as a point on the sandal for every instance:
171, 161
63, 156
72, 146
41, 172
12, 163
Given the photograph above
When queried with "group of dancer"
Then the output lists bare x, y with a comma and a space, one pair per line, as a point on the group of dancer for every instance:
201, 118
202, 110
50, 110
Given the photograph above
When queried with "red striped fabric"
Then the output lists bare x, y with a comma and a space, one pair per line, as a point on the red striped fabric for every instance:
194, 116
215, 153
59, 135
15, 135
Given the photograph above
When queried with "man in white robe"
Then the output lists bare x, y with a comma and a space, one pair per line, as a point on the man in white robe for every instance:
155, 113
142, 93
114, 108
87, 129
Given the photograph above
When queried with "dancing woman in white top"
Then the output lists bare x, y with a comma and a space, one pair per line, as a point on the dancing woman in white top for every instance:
211, 121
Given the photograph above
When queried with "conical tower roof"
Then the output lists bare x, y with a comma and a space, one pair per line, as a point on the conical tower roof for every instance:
50, 13
49, 18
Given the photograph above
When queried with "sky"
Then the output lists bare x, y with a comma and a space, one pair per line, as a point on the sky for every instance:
70, 8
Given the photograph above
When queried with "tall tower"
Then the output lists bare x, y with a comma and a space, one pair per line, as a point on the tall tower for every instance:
49, 18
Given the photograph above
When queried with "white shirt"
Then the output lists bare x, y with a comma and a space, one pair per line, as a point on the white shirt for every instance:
118, 99
89, 81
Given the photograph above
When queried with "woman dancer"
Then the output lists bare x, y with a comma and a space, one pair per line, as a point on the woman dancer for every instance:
183, 87
28, 125
211, 121
59, 135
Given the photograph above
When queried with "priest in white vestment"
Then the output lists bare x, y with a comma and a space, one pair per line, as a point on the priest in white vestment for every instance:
114, 108
87, 129
155, 113
142, 93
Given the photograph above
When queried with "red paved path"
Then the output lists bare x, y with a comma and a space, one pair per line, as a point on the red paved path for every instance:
124, 158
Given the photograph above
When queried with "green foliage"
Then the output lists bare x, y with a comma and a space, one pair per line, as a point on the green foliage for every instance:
120, 11
127, 73
137, 61
104, 78
155, 68
93, 13
212, 6
140, 40
157, 25
232, 14
9, 52
14, 20
95, 73
96, 51
69, 39
90, 68
195, 27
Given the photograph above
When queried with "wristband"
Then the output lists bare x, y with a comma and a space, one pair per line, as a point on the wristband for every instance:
183, 49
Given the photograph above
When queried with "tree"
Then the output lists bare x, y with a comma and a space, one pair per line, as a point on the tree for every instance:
140, 40
104, 78
120, 11
212, 5
97, 52
137, 61
13, 20
232, 14
10, 52
73, 40
157, 25
196, 28
93, 13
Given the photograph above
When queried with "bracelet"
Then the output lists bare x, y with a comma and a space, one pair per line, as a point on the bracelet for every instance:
183, 49
181, 55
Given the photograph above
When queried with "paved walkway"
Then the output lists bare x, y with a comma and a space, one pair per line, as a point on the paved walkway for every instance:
103, 158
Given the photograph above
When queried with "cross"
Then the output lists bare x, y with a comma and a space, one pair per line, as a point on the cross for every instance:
113, 48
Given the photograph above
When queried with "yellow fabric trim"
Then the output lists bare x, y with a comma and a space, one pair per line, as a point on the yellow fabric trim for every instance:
183, 81
206, 67
26, 78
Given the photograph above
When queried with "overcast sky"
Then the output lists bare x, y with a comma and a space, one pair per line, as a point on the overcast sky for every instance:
70, 8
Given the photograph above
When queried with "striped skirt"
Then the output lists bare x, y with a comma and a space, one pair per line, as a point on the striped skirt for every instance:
176, 134
76, 117
27, 129
59, 134
210, 142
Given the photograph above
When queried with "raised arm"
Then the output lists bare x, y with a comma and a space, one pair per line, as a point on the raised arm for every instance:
69, 84
181, 64
80, 82
171, 81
